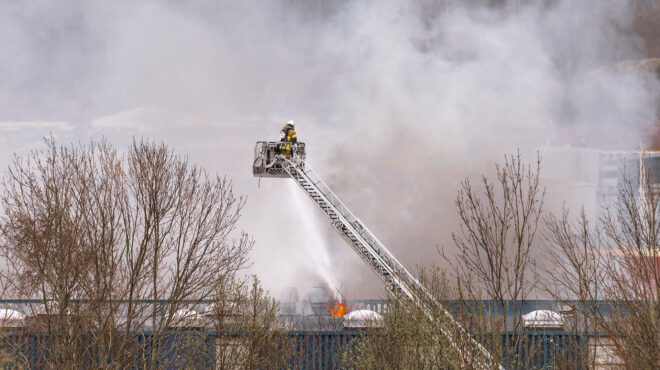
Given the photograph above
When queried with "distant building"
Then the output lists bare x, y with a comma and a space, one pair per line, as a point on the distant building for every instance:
591, 177
616, 167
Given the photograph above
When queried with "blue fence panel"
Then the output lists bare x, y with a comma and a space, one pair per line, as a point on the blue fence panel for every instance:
322, 350
312, 350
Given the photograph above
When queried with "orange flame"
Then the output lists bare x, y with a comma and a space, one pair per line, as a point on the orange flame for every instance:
337, 309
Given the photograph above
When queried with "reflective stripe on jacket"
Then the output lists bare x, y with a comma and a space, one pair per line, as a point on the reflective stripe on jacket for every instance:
291, 136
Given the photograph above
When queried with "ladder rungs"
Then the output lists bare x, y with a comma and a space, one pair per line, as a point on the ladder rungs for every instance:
397, 280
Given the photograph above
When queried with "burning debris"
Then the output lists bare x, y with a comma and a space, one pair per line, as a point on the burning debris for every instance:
337, 309
322, 304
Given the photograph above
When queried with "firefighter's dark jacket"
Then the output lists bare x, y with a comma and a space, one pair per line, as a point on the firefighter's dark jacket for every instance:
289, 134
289, 137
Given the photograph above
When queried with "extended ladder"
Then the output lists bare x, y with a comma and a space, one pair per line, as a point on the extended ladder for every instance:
398, 281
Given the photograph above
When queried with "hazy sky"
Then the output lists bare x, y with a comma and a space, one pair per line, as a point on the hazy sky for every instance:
397, 100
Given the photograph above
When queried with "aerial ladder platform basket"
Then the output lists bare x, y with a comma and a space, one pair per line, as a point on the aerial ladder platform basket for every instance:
270, 162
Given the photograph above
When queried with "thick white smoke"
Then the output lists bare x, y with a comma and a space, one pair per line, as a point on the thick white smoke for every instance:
397, 101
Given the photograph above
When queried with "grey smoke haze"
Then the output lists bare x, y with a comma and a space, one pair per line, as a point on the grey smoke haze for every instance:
397, 100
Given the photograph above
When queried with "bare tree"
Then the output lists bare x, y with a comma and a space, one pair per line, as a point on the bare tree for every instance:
406, 338
575, 276
250, 333
494, 260
92, 233
618, 261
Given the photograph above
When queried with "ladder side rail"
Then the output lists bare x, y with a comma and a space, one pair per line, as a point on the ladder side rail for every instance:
391, 281
337, 205
394, 277
409, 287
406, 288
366, 234
336, 212
397, 279
412, 283
349, 215
352, 218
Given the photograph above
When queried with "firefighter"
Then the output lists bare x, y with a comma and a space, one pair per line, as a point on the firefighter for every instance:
287, 138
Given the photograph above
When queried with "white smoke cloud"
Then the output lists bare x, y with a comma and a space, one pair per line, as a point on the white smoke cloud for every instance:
397, 100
